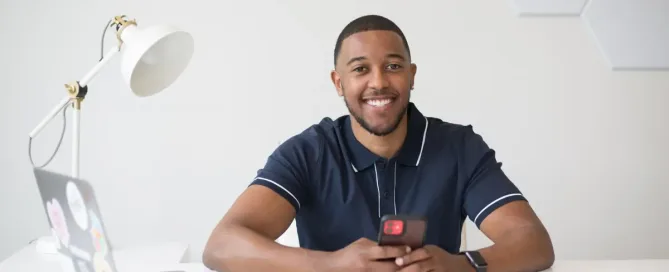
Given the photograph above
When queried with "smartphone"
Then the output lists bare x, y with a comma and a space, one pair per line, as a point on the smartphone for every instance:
402, 230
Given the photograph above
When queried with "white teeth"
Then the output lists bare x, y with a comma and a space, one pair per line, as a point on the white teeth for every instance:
378, 102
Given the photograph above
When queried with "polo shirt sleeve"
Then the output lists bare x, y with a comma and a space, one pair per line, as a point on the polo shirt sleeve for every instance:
286, 170
487, 187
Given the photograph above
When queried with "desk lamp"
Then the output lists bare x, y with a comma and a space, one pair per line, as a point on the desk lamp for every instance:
152, 59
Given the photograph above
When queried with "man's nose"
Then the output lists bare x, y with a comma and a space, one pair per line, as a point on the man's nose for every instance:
378, 79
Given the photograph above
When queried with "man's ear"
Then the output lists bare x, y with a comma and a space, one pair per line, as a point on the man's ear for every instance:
336, 80
413, 74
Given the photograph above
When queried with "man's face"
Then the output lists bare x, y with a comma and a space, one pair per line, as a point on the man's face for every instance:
375, 77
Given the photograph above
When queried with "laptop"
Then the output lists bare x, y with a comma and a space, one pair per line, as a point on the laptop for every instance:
74, 217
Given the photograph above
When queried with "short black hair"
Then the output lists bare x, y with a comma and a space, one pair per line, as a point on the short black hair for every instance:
367, 23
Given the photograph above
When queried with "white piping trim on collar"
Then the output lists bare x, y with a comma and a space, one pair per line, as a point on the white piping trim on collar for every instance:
422, 144
378, 191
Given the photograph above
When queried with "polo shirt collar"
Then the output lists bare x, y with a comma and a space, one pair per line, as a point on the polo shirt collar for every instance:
411, 152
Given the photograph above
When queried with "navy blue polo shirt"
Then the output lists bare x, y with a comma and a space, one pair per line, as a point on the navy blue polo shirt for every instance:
340, 190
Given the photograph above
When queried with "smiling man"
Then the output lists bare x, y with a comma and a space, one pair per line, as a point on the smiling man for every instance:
338, 178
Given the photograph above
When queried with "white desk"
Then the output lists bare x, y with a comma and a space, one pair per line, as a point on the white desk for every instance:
610, 266
170, 256
560, 266
150, 258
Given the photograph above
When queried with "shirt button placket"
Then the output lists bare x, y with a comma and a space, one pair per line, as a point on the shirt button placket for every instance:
385, 172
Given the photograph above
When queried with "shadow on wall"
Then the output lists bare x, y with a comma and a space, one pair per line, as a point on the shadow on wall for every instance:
631, 34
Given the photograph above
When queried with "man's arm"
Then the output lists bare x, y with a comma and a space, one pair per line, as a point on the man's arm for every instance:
499, 209
521, 243
244, 240
520, 240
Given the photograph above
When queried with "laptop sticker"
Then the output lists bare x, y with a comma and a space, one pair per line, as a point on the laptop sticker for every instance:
77, 206
100, 263
58, 243
83, 267
80, 253
58, 222
99, 239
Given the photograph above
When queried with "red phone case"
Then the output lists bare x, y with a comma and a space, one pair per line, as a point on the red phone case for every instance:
402, 230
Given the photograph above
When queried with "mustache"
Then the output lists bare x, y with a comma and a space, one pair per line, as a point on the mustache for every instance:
380, 92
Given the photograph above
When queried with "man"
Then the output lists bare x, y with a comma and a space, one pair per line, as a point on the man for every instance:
339, 177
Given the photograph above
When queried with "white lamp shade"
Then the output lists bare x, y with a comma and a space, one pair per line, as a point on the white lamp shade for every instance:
154, 57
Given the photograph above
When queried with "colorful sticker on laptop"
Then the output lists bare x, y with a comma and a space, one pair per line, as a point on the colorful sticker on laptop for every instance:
97, 233
100, 263
58, 222
80, 253
77, 206
58, 243
83, 267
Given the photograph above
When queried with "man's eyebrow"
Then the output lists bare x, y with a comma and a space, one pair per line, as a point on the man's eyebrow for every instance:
355, 59
391, 55
397, 56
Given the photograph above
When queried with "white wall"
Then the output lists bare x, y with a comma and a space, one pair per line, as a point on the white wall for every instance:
586, 144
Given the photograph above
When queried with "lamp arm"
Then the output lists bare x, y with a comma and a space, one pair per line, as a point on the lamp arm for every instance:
76, 93
63, 103
74, 90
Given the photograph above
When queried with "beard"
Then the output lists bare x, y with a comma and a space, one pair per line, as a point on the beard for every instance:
368, 127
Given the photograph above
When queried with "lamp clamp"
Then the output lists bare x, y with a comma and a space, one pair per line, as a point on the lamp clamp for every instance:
77, 93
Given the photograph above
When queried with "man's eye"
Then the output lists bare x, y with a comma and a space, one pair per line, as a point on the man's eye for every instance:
359, 69
394, 66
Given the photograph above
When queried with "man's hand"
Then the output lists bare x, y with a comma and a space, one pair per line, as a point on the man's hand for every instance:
433, 259
364, 255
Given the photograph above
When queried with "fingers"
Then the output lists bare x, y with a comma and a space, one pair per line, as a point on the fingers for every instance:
417, 255
388, 252
418, 267
364, 240
382, 266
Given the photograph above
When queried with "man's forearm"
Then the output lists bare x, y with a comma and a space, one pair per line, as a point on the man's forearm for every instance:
237, 248
525, 249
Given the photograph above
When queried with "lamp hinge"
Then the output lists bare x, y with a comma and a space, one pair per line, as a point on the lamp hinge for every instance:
120, 23
76, 92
